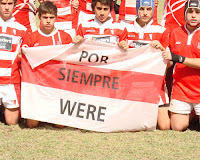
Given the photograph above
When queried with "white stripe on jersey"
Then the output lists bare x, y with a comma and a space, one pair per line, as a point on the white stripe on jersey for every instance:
64, 11
12, 24
53, 39
59, 36
130, 17
149, 28
5, 55
63, 25
88, 6
5, 72
130, 3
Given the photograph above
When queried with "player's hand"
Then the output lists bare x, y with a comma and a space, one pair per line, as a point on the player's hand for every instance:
123, 45
77, 39
75, 4
156, 44
167, 55
156, 2
40, 1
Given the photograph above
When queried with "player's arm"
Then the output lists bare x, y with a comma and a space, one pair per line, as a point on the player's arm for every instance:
156, 2
32, 4
123, 40
80, 35
156, 44
163, 41
123, 45
190, 62
75, 3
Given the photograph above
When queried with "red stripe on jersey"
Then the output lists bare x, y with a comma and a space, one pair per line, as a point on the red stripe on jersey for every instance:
5, 63
126, 85
83, 6
12, 35
5, 80
131, 10
64, 18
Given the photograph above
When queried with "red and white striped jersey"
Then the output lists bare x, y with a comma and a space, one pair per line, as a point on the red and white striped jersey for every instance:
108, 31
67, 15
11, 35
186, 79
24, 13
127, 11
85, 11
173, 15
139, 36
38, 38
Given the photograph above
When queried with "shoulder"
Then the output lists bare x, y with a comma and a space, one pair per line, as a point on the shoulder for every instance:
157, 27
89, 23
118, 25
65, 37
178, 29
63, 33
18, 26
30, 37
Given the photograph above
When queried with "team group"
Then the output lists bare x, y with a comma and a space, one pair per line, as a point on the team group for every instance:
65, 22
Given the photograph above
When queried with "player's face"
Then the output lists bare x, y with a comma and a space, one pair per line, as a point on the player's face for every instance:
145, 14
6, 9
102, 12
47, 22
193, 17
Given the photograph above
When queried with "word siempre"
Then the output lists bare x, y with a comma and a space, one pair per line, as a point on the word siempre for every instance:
76, 76
83, 110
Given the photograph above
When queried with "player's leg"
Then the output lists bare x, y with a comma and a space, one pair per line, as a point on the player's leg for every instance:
32, 123
11, 103
11, 115
197, 110
179, 114
58, 126
163, 122
179, 122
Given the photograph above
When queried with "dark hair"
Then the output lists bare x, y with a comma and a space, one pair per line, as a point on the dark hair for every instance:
103, 2
47, 7
191, 4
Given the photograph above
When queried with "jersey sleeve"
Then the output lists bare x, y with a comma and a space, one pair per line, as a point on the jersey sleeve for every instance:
122, 10
66, 38
165, 39
80, 31
172, 41
27, 41
123, 36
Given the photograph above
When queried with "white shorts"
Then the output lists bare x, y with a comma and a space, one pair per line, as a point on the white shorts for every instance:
8, 95
182, 107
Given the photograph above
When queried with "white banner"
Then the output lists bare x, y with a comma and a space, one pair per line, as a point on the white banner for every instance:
94, 86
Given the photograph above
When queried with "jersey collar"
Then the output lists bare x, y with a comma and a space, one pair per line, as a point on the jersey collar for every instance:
48, 35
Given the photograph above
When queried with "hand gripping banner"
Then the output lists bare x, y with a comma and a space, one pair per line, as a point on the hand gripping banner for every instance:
94, 86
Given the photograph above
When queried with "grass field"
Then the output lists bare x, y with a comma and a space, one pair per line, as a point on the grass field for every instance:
47, 142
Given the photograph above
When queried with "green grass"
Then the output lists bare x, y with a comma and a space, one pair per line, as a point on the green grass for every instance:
47, 142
